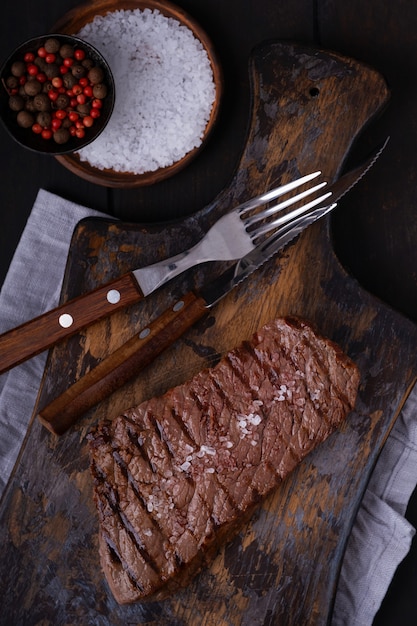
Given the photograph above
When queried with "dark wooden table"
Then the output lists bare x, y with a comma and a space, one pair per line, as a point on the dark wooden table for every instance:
375, 239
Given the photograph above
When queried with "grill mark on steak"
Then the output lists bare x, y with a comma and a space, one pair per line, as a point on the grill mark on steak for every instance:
183, 427
138, 444
117, 559
159, 430
112, 497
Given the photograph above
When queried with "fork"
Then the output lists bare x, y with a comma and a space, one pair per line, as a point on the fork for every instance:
233, 235
230, 238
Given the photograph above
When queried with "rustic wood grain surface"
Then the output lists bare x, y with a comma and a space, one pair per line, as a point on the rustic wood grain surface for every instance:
308, 107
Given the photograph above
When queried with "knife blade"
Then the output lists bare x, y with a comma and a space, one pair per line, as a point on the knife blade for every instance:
127, 361
25, 341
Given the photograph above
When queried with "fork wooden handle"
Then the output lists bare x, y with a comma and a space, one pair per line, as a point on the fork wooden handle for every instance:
42, 332
122, 365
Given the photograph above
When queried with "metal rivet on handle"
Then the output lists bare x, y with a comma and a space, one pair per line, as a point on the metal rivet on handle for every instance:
65, 320
144, 333
178, 305
113, 296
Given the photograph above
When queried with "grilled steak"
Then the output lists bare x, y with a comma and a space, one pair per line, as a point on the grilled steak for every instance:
176, 476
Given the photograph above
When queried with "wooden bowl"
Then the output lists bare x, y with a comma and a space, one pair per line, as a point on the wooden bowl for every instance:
25, 136
72, 23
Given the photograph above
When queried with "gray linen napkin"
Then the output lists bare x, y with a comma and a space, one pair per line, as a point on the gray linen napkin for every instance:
381, 536
32, 286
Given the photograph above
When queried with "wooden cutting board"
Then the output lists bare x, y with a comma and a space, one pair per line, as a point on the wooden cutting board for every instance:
308, 107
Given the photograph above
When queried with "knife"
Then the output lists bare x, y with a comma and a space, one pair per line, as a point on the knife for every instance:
115, 370
125, 363
35, 336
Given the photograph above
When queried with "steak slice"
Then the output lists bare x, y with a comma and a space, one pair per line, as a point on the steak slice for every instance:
177, 475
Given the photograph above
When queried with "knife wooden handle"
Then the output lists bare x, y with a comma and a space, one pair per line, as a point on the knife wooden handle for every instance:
122, 365
42, 332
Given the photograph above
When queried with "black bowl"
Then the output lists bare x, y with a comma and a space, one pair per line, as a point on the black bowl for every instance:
25, 136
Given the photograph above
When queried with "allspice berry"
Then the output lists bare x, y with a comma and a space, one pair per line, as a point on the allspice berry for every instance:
100, 91
61, 135
33, 87
52, 45
78, 71
12, 82
95, 75
62, 102
66, 51
25, 119
87, 63
41, 102
18, 68
16, 103
44, 119
30, 106
83, 109
52, 70
69, 80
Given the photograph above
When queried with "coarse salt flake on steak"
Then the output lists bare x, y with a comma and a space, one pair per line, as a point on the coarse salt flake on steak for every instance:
175, 476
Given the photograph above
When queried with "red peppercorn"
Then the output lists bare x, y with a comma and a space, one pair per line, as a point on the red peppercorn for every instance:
41, 77
73, 102
80, 133
37, 128
88, 121
50, 58
46, 133
22, 80
32, 69
77, 89
60, 114
79, 54
53, 95
83, 81
95, 113
72, 130
57, 82
88, 91
63, 69
96, 103
42, 52
29, 57
73, 116
56, 123
81, 99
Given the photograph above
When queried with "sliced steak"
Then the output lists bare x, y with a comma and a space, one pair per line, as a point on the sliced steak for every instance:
179, 474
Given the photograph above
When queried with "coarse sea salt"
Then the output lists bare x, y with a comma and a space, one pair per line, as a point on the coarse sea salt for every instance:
164, 91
